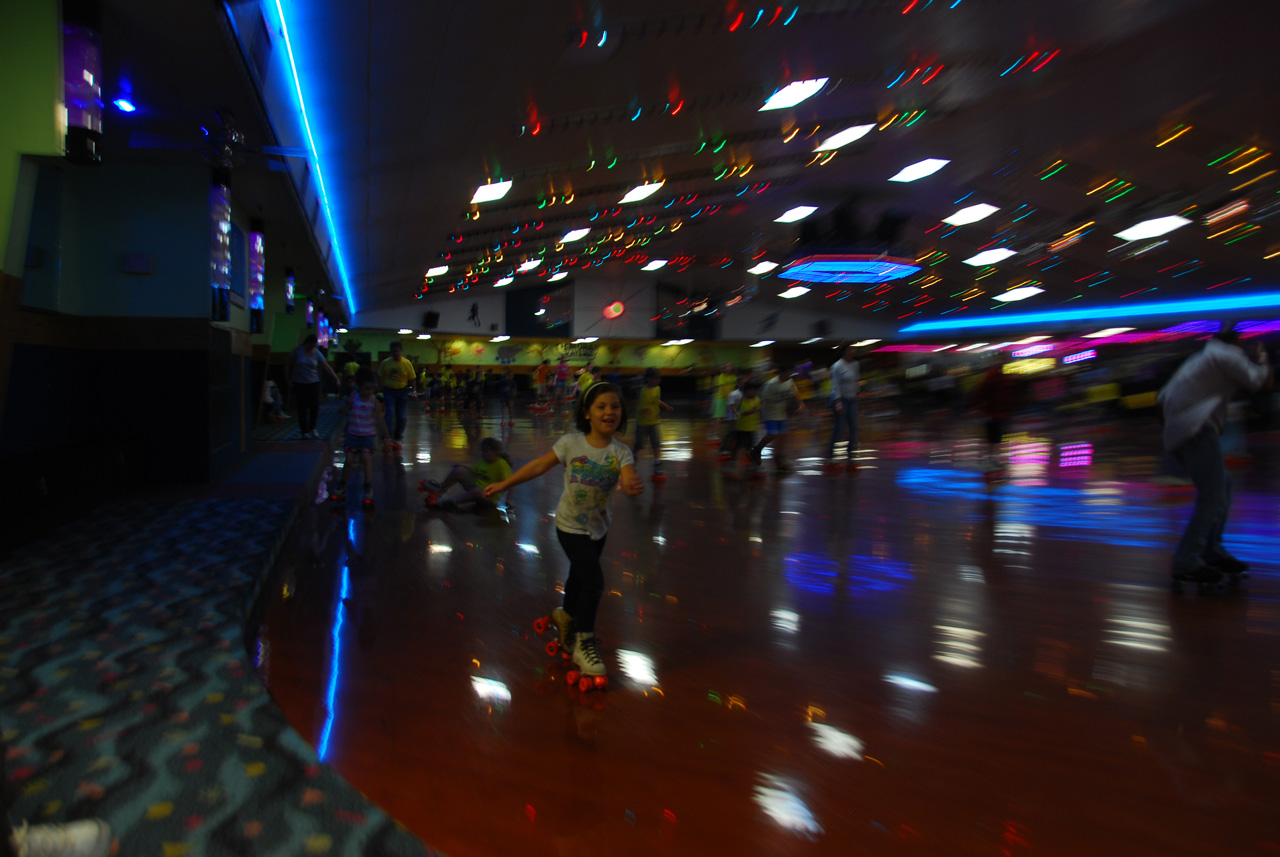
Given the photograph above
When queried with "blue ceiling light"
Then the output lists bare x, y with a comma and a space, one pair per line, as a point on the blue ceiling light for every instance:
347, 292
1196, 305
125, 105
849, 269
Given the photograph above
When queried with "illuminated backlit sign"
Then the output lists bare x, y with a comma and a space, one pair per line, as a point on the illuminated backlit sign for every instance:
1076, 358
1029, 367
1032, 350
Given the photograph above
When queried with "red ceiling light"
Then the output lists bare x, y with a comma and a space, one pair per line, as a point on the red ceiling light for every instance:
614, 310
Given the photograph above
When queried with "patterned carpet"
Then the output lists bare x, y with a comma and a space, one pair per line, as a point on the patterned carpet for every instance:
126, 691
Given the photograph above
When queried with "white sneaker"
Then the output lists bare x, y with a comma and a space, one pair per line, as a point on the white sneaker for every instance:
586, 654
90, 838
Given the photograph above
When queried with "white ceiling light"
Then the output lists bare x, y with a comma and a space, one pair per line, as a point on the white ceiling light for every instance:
655, 265
811, 341
574, 235
844, 138
640, 192
865, 342
800, 212
1153, 228
341, 330
762, 268
1018, 294
437, 271
500, 339
793, 93
794, 292
528, 266
490, 192
762, 343
919, 170
972, 214
505, 281
971, 347
424, 336
585, 339
404, 331
676, 342
990, 257
1110, 331
1029, 340
557, 276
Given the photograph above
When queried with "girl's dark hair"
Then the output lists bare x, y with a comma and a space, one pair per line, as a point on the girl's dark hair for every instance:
364, 375
580, 421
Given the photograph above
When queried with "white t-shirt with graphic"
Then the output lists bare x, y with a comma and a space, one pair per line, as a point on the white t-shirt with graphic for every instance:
590, 475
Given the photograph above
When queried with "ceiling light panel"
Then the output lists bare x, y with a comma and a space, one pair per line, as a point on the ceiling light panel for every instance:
490, 192
800, 212
762, 268
971, 214
793, 93
640, 192
1153, 228
919, 170
844, 138
990, 257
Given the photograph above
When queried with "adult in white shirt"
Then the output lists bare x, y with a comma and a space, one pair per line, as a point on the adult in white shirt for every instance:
845, 377
1194, 407
778, 400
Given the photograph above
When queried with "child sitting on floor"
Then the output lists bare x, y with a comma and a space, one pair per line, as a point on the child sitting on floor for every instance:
494, 466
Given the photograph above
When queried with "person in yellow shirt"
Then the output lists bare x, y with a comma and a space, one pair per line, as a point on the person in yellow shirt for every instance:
748, 423
493, 466
648, 417
349, 370
724, 385
396, 375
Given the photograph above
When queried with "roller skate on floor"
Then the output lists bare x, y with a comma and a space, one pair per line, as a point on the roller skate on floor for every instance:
588, 673
560, 624
338, 494
1206, 579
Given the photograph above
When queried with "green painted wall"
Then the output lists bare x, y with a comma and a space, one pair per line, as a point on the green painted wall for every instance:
31, 113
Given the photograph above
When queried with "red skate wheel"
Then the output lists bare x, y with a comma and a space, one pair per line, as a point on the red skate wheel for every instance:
553, 647
540, 625
600, 682
572, 677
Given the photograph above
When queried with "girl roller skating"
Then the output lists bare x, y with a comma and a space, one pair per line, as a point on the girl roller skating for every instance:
594, 464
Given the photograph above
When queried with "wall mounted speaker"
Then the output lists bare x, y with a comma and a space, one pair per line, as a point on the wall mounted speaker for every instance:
430, 320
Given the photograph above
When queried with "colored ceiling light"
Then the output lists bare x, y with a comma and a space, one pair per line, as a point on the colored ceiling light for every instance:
990, 257
793, 93
655, 265
574, 235
794, 292
971, 214
919, 170
848, 269
1153, 228
526, 267
490, 192
1110, 331
1255, 301
1018, 294
125, 105
800, 212
762, 268
557, 276
505, 281
437, 271
615, 310
844, 138
640, 192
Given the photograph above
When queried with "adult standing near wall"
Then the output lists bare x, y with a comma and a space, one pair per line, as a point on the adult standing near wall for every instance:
396, 374
305, 364
1194, 407
846, 376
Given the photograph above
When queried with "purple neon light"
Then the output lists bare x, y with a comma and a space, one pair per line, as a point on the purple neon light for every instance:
1079, 357
1032, 350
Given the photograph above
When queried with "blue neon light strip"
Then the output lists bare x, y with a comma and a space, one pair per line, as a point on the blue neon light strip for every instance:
1255, 301
847, 271
335, 666
347, 294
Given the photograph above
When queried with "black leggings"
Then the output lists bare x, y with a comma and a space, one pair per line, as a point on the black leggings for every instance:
585, 586
6, 830
306, 398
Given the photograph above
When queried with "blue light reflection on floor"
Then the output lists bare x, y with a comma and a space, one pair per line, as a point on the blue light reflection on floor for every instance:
335, 666
1083, 515
820, 574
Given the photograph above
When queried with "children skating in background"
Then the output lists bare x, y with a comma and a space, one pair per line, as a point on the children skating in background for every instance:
595, 461
649, 417
364, 423
494, 466
732, 402
507, 398
747, 423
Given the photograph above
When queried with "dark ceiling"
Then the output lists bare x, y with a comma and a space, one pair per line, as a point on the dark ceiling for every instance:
1063, 114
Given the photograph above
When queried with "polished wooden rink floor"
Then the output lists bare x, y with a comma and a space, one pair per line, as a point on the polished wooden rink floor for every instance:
908, 661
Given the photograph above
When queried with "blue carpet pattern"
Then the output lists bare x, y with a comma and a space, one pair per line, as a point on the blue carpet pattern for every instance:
327, 423
126, 692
